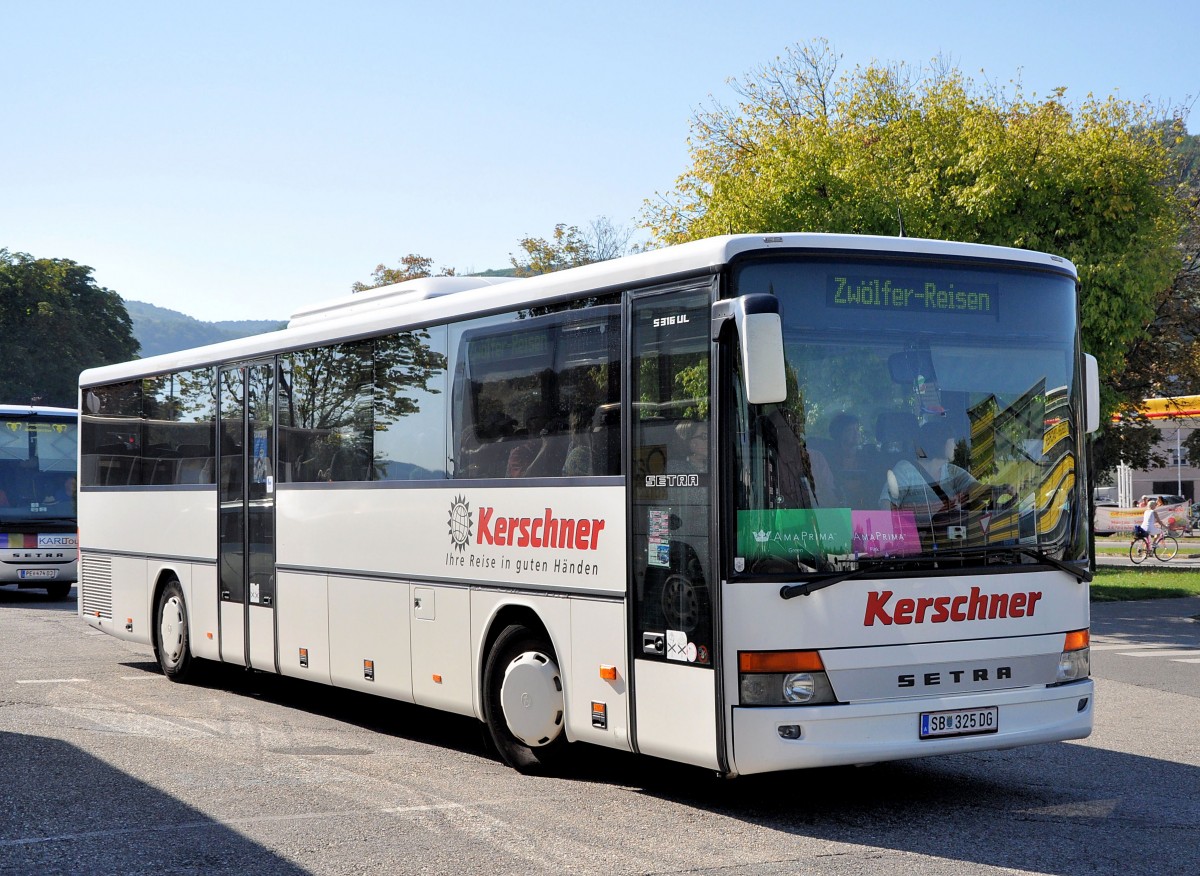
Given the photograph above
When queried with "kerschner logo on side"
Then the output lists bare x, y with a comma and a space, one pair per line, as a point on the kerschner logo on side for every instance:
499, 546
546, 531
974, 606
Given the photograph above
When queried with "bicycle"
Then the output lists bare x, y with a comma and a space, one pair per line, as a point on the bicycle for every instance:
1164, 548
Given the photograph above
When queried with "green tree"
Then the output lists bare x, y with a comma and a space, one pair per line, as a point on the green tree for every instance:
571, 247
1164, 360
412, 267
886, 148
56, 321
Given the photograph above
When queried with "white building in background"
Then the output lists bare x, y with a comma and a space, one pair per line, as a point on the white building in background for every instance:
1176, 419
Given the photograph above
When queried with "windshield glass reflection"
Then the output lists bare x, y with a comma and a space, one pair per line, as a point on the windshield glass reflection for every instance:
930, 414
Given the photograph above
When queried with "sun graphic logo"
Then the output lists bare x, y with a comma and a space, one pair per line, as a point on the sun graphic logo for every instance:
460, 523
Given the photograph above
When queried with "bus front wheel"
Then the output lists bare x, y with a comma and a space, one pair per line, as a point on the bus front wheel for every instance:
172, 646
523, 702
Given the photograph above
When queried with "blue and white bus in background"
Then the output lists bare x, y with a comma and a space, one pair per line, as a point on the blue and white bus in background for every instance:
38, 532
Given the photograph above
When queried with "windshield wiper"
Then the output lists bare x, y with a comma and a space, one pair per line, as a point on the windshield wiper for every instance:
1081, 573
1028, 550
804, 588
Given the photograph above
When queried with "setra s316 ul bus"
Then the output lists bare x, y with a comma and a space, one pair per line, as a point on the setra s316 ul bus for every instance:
38, 547
751, 503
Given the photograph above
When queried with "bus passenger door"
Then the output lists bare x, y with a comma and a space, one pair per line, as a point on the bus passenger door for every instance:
247, 515
670, 494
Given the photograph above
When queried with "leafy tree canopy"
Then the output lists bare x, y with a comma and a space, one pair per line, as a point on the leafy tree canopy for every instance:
570, 247
56, 322
809, 149
1165, 360
412, 267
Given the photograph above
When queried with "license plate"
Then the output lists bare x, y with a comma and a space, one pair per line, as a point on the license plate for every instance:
36, 574
960, 722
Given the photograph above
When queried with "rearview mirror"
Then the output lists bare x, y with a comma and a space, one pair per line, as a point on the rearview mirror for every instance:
1091, 374
760, 339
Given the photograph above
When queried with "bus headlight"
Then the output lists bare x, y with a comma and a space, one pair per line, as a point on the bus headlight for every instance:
783, 678
1073, 665
1075, 662
807, 688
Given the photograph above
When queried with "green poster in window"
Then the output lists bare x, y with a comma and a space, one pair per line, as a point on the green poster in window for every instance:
794, 533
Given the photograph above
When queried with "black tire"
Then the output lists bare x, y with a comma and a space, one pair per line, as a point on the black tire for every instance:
1137, 550
172, 640
58, 590
1166, 548
521, 670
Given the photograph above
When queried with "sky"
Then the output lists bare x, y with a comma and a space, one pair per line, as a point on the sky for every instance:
242, 160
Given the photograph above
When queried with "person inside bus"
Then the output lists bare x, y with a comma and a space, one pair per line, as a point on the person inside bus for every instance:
929, 481
579, 461
531, 444
23, 487
689, 453
65, 492
844, 456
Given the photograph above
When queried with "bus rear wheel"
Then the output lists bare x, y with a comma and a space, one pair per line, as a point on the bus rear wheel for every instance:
523, 701
172, 645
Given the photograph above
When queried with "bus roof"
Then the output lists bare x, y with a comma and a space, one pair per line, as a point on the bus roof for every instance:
431, 300
36, 411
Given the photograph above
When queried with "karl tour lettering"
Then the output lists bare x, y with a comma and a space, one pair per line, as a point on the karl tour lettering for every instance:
954, 609
547, 531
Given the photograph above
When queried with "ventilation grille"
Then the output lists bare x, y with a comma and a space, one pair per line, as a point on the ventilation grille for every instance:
95, 597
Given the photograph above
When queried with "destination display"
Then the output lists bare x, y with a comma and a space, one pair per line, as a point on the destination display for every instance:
874, 291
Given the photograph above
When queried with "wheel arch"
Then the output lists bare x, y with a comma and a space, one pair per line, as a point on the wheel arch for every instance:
506, 615
165, 575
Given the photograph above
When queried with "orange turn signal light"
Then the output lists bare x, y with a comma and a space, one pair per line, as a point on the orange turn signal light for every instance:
1076, 640
608, 673
780, 661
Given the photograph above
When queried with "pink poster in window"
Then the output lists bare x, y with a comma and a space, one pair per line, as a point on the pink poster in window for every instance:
885, 533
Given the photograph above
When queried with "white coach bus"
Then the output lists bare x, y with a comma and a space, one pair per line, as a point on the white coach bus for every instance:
751, 503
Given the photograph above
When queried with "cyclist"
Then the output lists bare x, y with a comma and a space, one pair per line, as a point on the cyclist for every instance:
1152, 524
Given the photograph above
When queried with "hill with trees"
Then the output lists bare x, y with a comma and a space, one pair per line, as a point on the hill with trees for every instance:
160, 330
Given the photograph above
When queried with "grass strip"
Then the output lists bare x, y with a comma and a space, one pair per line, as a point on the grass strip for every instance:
1122, 585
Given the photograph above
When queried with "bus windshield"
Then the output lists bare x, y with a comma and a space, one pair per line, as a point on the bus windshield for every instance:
37, 467
932, 415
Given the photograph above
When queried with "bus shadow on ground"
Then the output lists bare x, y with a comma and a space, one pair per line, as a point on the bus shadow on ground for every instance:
1061, 808
11, 596
54, 820
374, 713
1064, 808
